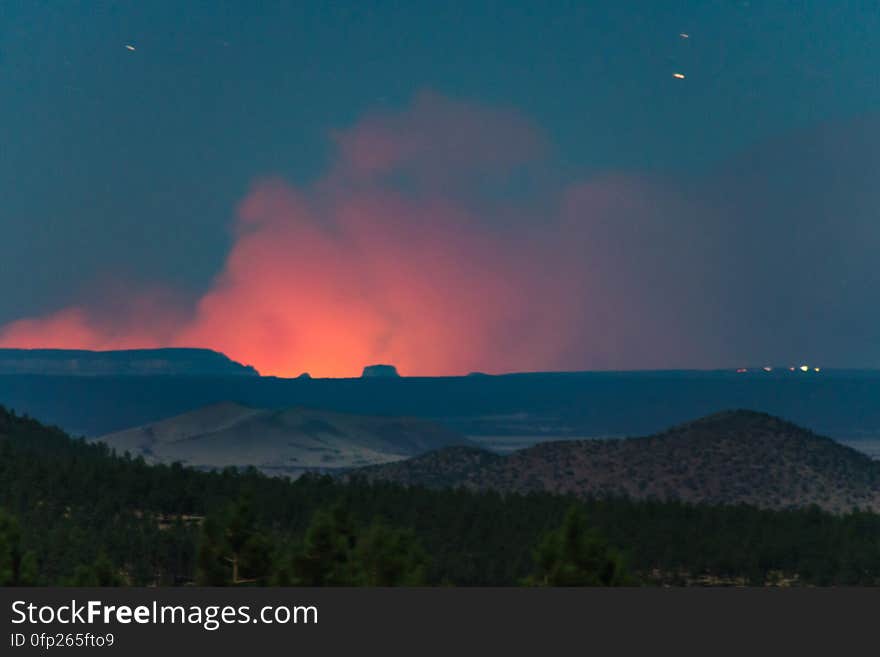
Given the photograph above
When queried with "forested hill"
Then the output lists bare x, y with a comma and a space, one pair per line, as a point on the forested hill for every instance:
73, 513
735, 457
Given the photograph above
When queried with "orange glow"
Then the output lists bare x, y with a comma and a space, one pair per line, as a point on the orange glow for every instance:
364, 283
353, 271
430, 296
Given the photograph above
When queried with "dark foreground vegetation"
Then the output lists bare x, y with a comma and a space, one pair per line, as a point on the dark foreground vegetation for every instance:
73, 513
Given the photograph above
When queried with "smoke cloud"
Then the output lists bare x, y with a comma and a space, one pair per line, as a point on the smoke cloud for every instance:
435, 242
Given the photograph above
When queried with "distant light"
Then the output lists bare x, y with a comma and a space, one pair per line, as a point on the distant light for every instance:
805, 368
817, 369
684, 35
767, 369
128, 46
678, 76
741, 370
791, 369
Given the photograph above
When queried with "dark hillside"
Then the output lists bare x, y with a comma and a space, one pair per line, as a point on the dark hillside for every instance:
734, 457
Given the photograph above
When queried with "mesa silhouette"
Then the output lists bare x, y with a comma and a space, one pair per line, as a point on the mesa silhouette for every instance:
124, 362
732, 457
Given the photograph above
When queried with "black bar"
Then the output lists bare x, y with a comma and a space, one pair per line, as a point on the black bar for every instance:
461, 621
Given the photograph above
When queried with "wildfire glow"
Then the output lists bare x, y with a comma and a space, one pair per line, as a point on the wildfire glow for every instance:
354, 271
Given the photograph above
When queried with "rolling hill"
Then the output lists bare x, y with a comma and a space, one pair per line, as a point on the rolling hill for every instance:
731, 457
280, 441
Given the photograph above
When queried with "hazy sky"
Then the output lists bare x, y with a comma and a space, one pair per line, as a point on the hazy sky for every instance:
451, 186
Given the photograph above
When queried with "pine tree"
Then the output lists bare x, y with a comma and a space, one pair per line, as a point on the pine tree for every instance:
211, 570
17, 567
575, 555
101, 572
232, 551
384, 556
325, 556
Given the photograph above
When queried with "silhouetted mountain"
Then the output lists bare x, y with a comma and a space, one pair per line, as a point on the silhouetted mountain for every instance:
286, 441
726, 458
129, 362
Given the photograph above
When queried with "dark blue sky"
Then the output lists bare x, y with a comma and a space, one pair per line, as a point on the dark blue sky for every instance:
130, 164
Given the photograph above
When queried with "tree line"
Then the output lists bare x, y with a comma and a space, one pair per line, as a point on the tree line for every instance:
73, 513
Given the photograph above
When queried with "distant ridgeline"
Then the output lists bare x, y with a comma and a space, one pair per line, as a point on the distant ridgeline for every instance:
132, 362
